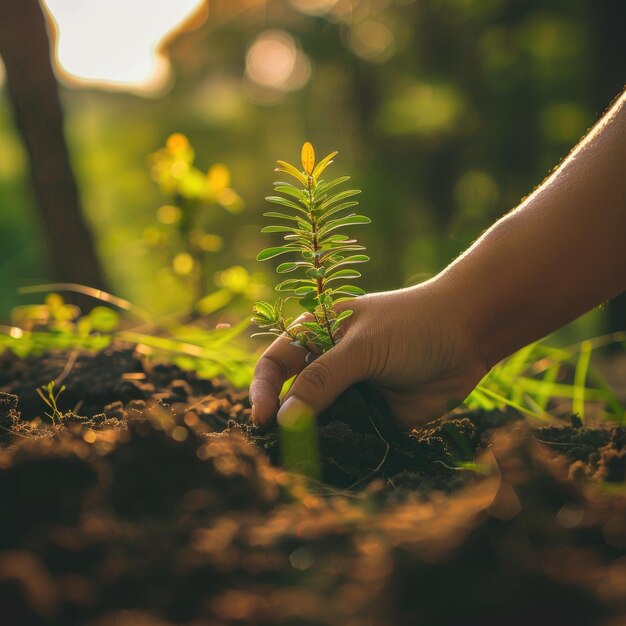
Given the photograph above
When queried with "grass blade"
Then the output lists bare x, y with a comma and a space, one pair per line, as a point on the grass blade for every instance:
580, 378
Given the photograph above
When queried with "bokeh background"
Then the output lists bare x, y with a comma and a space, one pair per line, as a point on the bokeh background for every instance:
445, 112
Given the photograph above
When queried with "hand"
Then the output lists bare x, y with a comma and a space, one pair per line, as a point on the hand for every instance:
412, 344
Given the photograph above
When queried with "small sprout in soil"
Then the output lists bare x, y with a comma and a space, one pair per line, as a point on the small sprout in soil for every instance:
321, 257
51, 396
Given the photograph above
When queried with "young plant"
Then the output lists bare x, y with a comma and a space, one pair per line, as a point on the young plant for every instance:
51, 396
321, 257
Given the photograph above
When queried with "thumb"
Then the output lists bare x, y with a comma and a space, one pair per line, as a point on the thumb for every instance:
319, 384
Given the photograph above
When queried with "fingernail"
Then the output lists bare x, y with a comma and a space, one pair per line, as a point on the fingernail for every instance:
253, 414
293, 412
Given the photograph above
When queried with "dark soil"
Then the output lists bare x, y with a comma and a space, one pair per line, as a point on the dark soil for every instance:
154, 503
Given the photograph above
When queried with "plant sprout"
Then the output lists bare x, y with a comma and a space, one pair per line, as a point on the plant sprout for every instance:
48, 394
321, 257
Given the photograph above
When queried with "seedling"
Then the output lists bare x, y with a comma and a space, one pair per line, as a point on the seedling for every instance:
321, 257
51, 396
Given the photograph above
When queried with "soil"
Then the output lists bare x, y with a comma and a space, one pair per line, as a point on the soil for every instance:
153, 502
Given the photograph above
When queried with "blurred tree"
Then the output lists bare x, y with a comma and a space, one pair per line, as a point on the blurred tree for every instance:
32, 88
447, 112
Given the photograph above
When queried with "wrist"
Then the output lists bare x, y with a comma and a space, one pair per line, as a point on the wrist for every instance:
460, 336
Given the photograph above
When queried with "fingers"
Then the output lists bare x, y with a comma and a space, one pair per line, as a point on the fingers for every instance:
280, 362
319, 384
277, 364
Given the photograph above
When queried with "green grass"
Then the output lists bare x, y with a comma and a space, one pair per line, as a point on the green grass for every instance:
56, 325
541, 381
536, 377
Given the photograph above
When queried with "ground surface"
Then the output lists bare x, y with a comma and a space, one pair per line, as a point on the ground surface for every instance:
155, 504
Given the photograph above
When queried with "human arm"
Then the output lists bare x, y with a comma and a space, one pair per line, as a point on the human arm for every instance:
561, 252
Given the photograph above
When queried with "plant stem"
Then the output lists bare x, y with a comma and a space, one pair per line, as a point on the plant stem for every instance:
317, 263
287, 332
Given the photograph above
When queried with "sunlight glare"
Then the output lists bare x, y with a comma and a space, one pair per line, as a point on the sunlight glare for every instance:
114, 44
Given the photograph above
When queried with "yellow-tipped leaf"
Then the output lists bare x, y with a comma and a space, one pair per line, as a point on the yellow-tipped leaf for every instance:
308, 158
283, 166
321, 166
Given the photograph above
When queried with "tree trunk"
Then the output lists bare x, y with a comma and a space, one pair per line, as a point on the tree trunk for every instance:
32, 88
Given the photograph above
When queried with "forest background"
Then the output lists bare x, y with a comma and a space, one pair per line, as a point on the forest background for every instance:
445, 112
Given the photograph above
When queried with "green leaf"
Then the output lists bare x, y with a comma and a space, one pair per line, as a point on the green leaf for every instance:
580, 378
293, 283
332, 249
505, 401
314, 326
332, 242
292, 171
325, 299
283, 268
264, 308
273, 333
284, 216
342, 274
349, 290
103, 319
303, 241
549, 377
281, 229
285, 202
323, 187
336, 209
264, 313
270, 253
337, 321
349, 220
477, 399
355, 258
339, 197
292, 191
309, 301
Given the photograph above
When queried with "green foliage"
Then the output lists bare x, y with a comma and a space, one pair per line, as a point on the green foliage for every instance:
56, 325
181, 230
208, 352
51, 396
532, 379
321, 257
